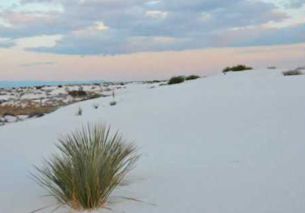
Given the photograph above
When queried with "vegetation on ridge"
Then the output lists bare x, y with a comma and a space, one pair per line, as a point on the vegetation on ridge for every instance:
236, 68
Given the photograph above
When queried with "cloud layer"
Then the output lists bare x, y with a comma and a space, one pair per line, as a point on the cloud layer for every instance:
109, 27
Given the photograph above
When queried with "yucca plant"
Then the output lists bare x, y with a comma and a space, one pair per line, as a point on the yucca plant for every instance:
91, 164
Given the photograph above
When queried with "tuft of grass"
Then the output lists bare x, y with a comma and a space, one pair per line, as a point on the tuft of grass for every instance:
192, 77
79, 112
96, 106
78, 93
271, 67
176, 80
297, 71
112, 103
90, 165
236, 68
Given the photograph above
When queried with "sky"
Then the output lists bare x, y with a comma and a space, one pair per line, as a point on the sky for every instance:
146, 39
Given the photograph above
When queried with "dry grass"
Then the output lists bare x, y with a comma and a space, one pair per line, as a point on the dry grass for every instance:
91, 164
293, 72
30, 110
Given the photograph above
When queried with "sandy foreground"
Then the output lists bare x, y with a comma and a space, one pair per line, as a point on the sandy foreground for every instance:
224, 144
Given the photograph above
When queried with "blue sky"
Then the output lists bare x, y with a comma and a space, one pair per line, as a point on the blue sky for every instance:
126, 27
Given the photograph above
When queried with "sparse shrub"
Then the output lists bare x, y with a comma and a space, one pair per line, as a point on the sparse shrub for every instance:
77, 93
96, 106
152, 82
176, 80
91, 164
94, 95
112, 103
38, 87
271, 67
36, 115
297, 71
79, 112
192, 77
236, 68
113, 94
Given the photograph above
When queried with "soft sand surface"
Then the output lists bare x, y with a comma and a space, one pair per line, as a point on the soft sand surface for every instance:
223, 144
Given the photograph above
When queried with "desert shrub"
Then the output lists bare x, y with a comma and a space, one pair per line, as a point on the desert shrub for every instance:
94, 95
192, 77
91, 163
79, 112
293, 72
96, 106
236, 68
112, 103
271, 67
152, 82
176, 80
36, 115
38, 87
77, 93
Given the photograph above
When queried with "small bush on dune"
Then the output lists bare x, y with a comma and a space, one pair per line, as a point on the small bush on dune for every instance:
38, 87
91, 164
297, 71
192, 77
79, 112
77, 93
112, 103
271, 67
176, 80
94, 95
236, 68
96, 106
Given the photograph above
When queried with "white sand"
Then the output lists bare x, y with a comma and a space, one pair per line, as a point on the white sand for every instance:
225, 144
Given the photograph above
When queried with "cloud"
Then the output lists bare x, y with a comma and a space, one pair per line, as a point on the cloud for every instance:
156, 14
261, 36
6, 43
35, 64
126, 26
294, 3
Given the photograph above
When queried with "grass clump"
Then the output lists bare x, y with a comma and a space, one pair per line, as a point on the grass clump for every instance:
112, 103
297, 71
176, 80
78, 93
91, 164
79, 112
192, 77
271, 67
96, 106
236, 68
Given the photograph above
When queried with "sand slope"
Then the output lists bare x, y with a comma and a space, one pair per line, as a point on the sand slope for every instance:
223, 144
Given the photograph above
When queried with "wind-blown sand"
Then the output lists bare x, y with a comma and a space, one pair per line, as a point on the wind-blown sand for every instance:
224, 144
